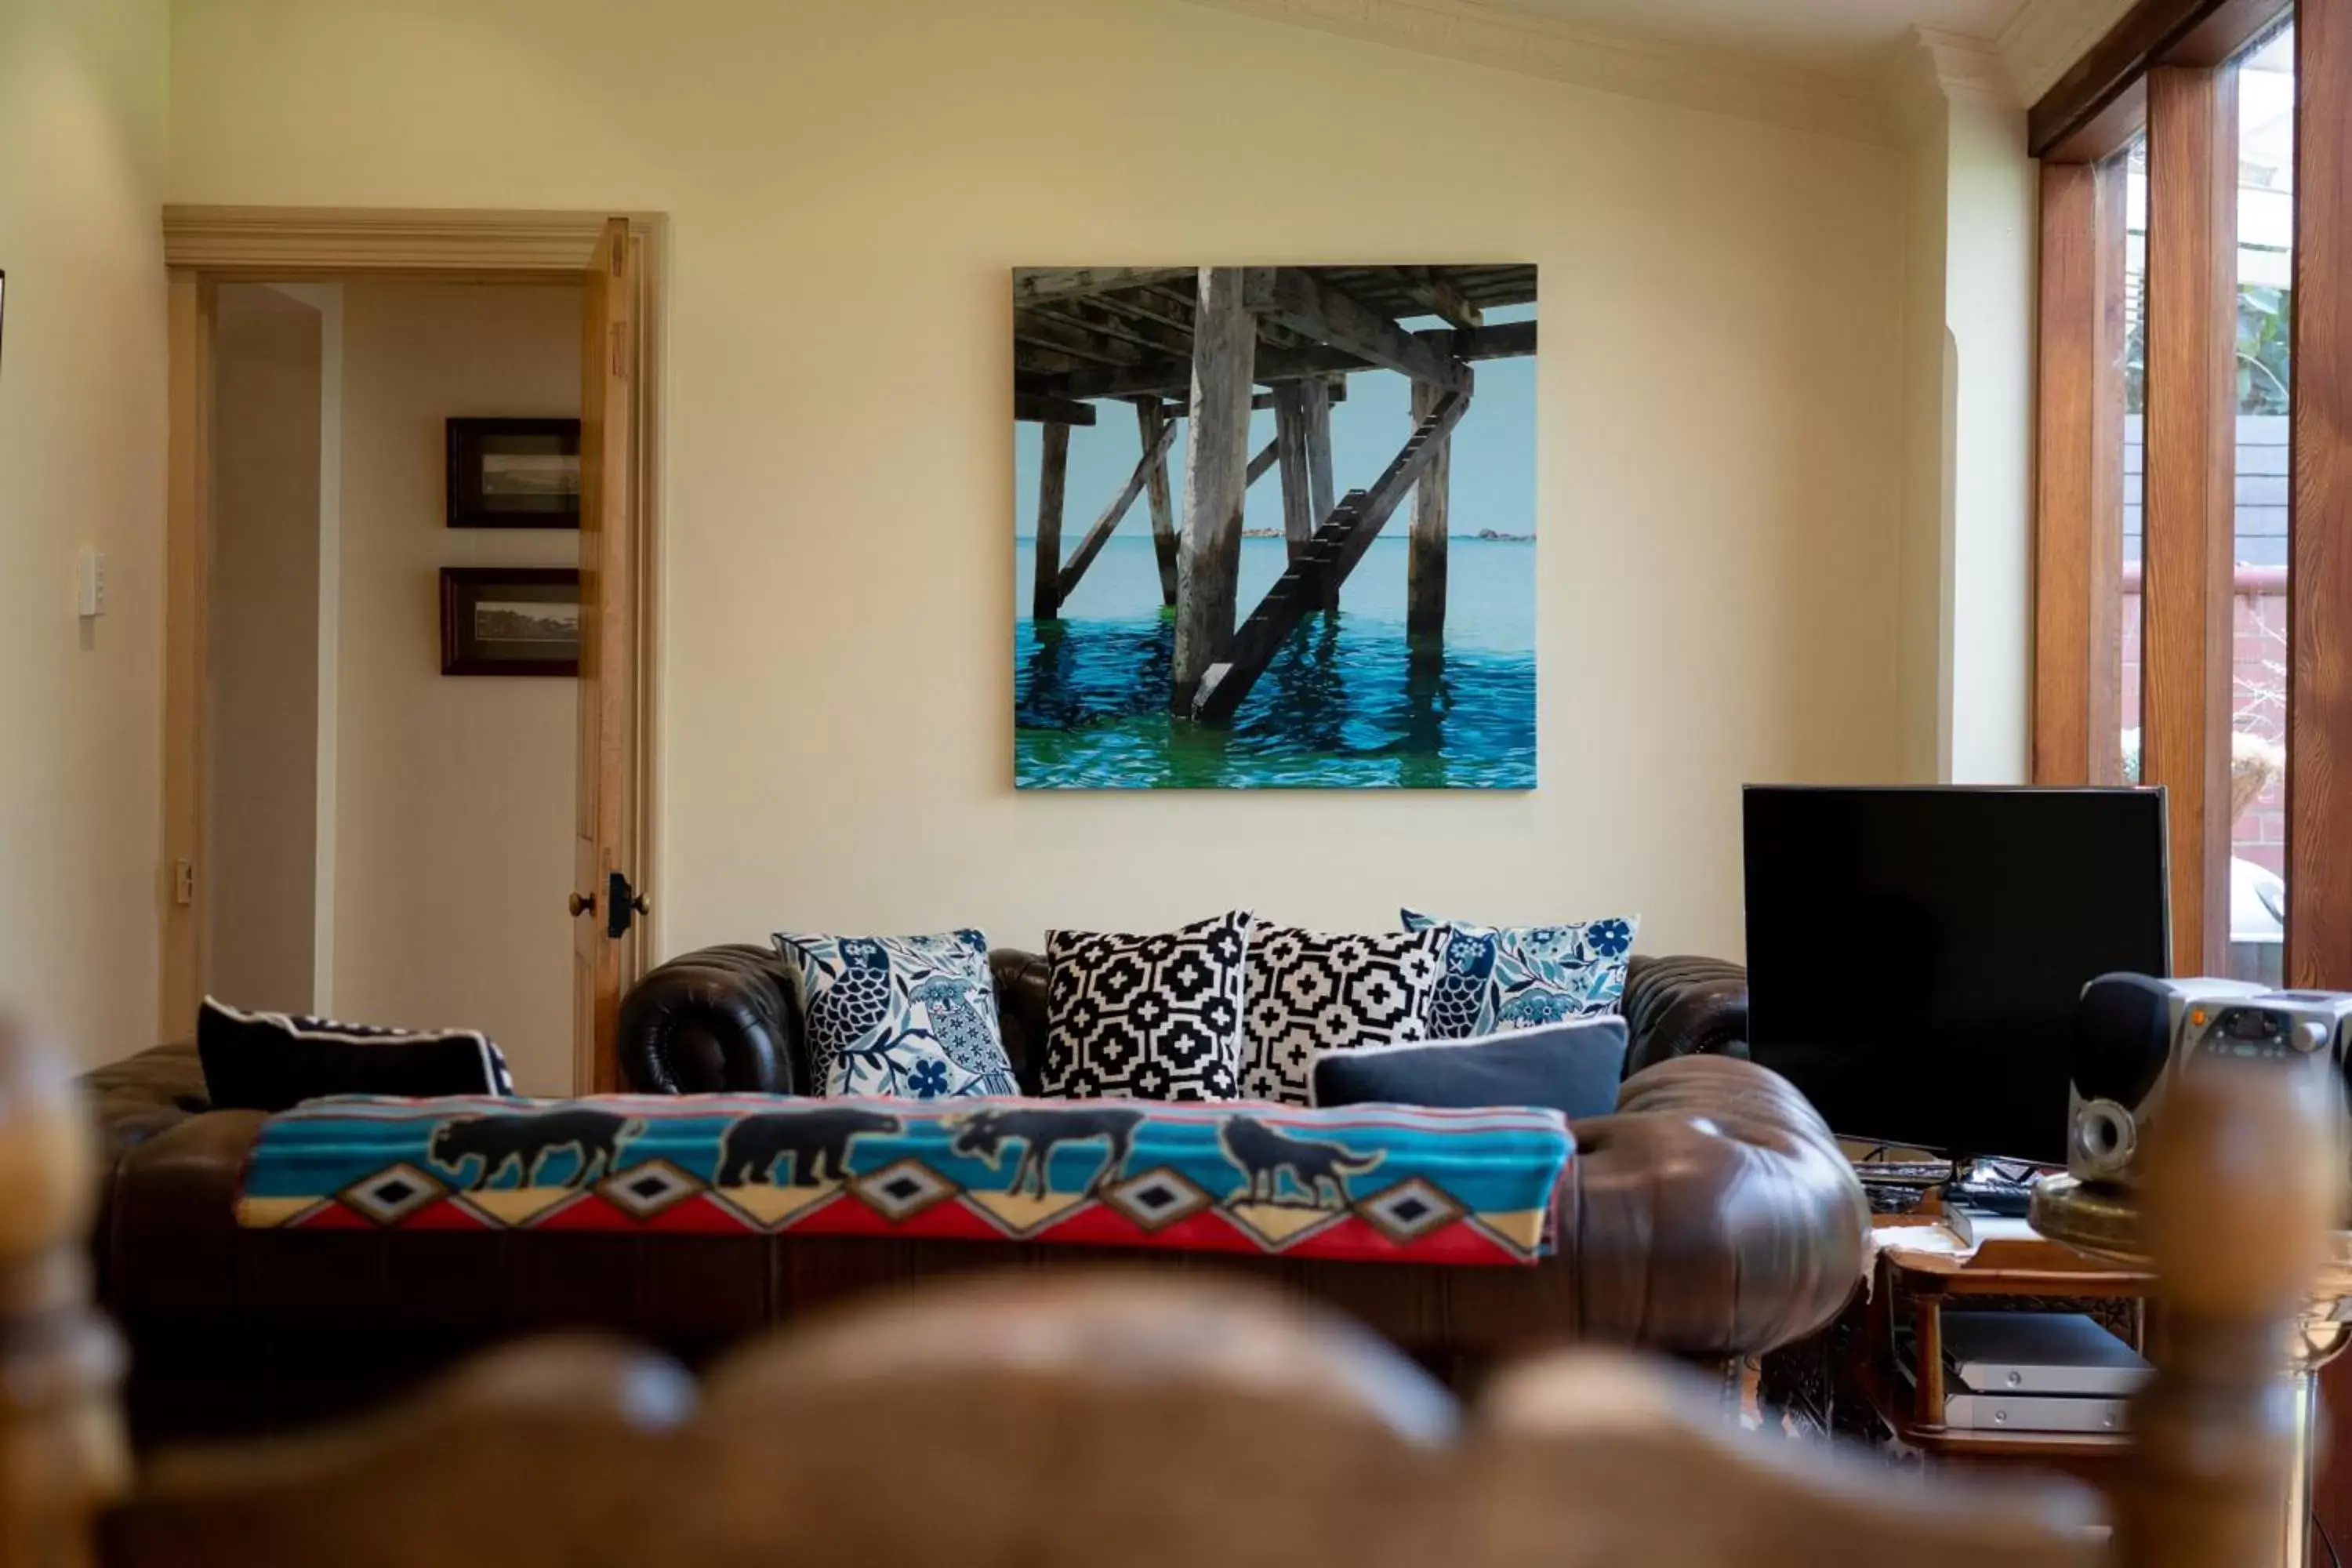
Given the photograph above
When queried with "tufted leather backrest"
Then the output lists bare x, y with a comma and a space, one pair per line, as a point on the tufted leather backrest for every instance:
1684, 1006
721, 1018
725, 1019
1020, 980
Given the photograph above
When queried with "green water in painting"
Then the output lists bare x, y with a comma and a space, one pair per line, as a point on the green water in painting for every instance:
1344, 705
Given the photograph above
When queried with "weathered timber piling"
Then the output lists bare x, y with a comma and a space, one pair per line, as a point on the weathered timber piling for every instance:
1209, 556
1045, 596
1424, 613
1152, 425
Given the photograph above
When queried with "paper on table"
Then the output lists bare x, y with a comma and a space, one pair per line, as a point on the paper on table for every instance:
1925, 1238
1907, 1237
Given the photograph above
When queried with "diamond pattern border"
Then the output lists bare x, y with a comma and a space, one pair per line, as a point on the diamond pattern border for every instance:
647, 1188
1409, 1210
393, 1194
903, 1189
1157, 1198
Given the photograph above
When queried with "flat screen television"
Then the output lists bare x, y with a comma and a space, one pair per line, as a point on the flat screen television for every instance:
1915, 955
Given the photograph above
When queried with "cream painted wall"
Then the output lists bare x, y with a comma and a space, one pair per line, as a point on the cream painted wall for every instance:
82, 109
1924, 628
1993, 192
453, 793
263, 665
1721, 420
1965, 633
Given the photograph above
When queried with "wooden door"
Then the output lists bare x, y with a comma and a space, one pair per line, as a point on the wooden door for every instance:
187, 568
605, 904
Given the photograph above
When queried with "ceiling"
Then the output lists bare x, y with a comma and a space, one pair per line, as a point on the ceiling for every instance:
1852, 69
1835, 38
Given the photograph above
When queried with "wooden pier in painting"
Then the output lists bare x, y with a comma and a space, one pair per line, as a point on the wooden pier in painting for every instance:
1196, 343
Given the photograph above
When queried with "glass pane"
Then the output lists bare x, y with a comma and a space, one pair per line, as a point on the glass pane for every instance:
2135, 370
2265, 278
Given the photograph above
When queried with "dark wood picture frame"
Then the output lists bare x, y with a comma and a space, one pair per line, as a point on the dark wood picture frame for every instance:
465, 651
475, 448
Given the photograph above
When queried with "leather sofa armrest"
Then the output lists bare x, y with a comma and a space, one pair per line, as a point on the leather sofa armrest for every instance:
716, 1020
167, 1226
1683, 1006
144, 1095
1714, 1214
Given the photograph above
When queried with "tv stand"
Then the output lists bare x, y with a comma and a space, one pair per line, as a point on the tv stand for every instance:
1901, 1323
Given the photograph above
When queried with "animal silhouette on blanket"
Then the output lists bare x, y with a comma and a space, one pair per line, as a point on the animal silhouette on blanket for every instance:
525, 1140
816, 1141
982, 1134
1263, 1154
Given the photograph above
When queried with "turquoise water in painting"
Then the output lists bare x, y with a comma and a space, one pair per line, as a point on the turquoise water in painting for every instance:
1344, 705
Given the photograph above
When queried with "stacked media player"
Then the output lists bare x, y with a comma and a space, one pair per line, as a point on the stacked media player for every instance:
2034, 1371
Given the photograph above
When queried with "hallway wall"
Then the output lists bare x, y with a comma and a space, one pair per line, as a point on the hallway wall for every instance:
455, 797
262, 701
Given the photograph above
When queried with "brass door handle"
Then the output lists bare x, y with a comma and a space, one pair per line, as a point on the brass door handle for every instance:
582, 905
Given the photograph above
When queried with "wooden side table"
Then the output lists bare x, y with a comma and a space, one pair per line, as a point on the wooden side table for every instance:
2011, 1261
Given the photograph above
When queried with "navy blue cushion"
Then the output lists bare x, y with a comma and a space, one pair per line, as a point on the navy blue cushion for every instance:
1572, 1067
269, 1061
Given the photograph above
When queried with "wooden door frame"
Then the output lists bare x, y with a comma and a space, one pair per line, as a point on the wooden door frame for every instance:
205, 247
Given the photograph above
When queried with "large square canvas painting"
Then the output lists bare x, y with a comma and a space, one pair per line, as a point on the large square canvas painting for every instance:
1275, 526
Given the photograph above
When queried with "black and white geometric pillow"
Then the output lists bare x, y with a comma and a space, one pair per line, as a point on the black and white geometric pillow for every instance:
273, 1061
1311, 992
1146, 1017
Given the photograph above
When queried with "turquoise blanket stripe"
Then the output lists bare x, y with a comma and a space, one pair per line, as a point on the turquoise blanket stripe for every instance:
1491, 1161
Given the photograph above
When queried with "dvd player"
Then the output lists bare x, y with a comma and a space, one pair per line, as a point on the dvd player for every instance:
2032, 1372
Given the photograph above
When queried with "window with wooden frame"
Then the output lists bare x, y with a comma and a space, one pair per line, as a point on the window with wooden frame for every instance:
2195, 497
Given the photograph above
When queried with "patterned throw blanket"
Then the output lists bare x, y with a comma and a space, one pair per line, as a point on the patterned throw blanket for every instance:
1380, 1183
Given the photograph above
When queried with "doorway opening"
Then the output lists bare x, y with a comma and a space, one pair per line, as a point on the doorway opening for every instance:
408, 629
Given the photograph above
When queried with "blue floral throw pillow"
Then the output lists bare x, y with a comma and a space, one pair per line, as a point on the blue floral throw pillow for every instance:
1516, 977
913, 1016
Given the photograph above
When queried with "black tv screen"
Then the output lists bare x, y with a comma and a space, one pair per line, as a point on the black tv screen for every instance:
1915, 955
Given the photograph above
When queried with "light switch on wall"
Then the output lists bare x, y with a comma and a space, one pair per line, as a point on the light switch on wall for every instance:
90, 581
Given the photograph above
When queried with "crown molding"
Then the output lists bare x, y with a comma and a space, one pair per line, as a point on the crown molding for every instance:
1543, 47
2046, 37
1932, 68
1961, 63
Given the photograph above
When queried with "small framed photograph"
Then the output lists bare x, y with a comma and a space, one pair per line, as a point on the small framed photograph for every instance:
514, 473
510, 620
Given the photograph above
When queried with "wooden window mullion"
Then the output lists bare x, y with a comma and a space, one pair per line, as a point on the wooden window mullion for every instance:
2078, 510
2319, 519
2191, 507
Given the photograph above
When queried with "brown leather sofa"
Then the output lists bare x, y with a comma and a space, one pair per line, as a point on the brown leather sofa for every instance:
1711, 1216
